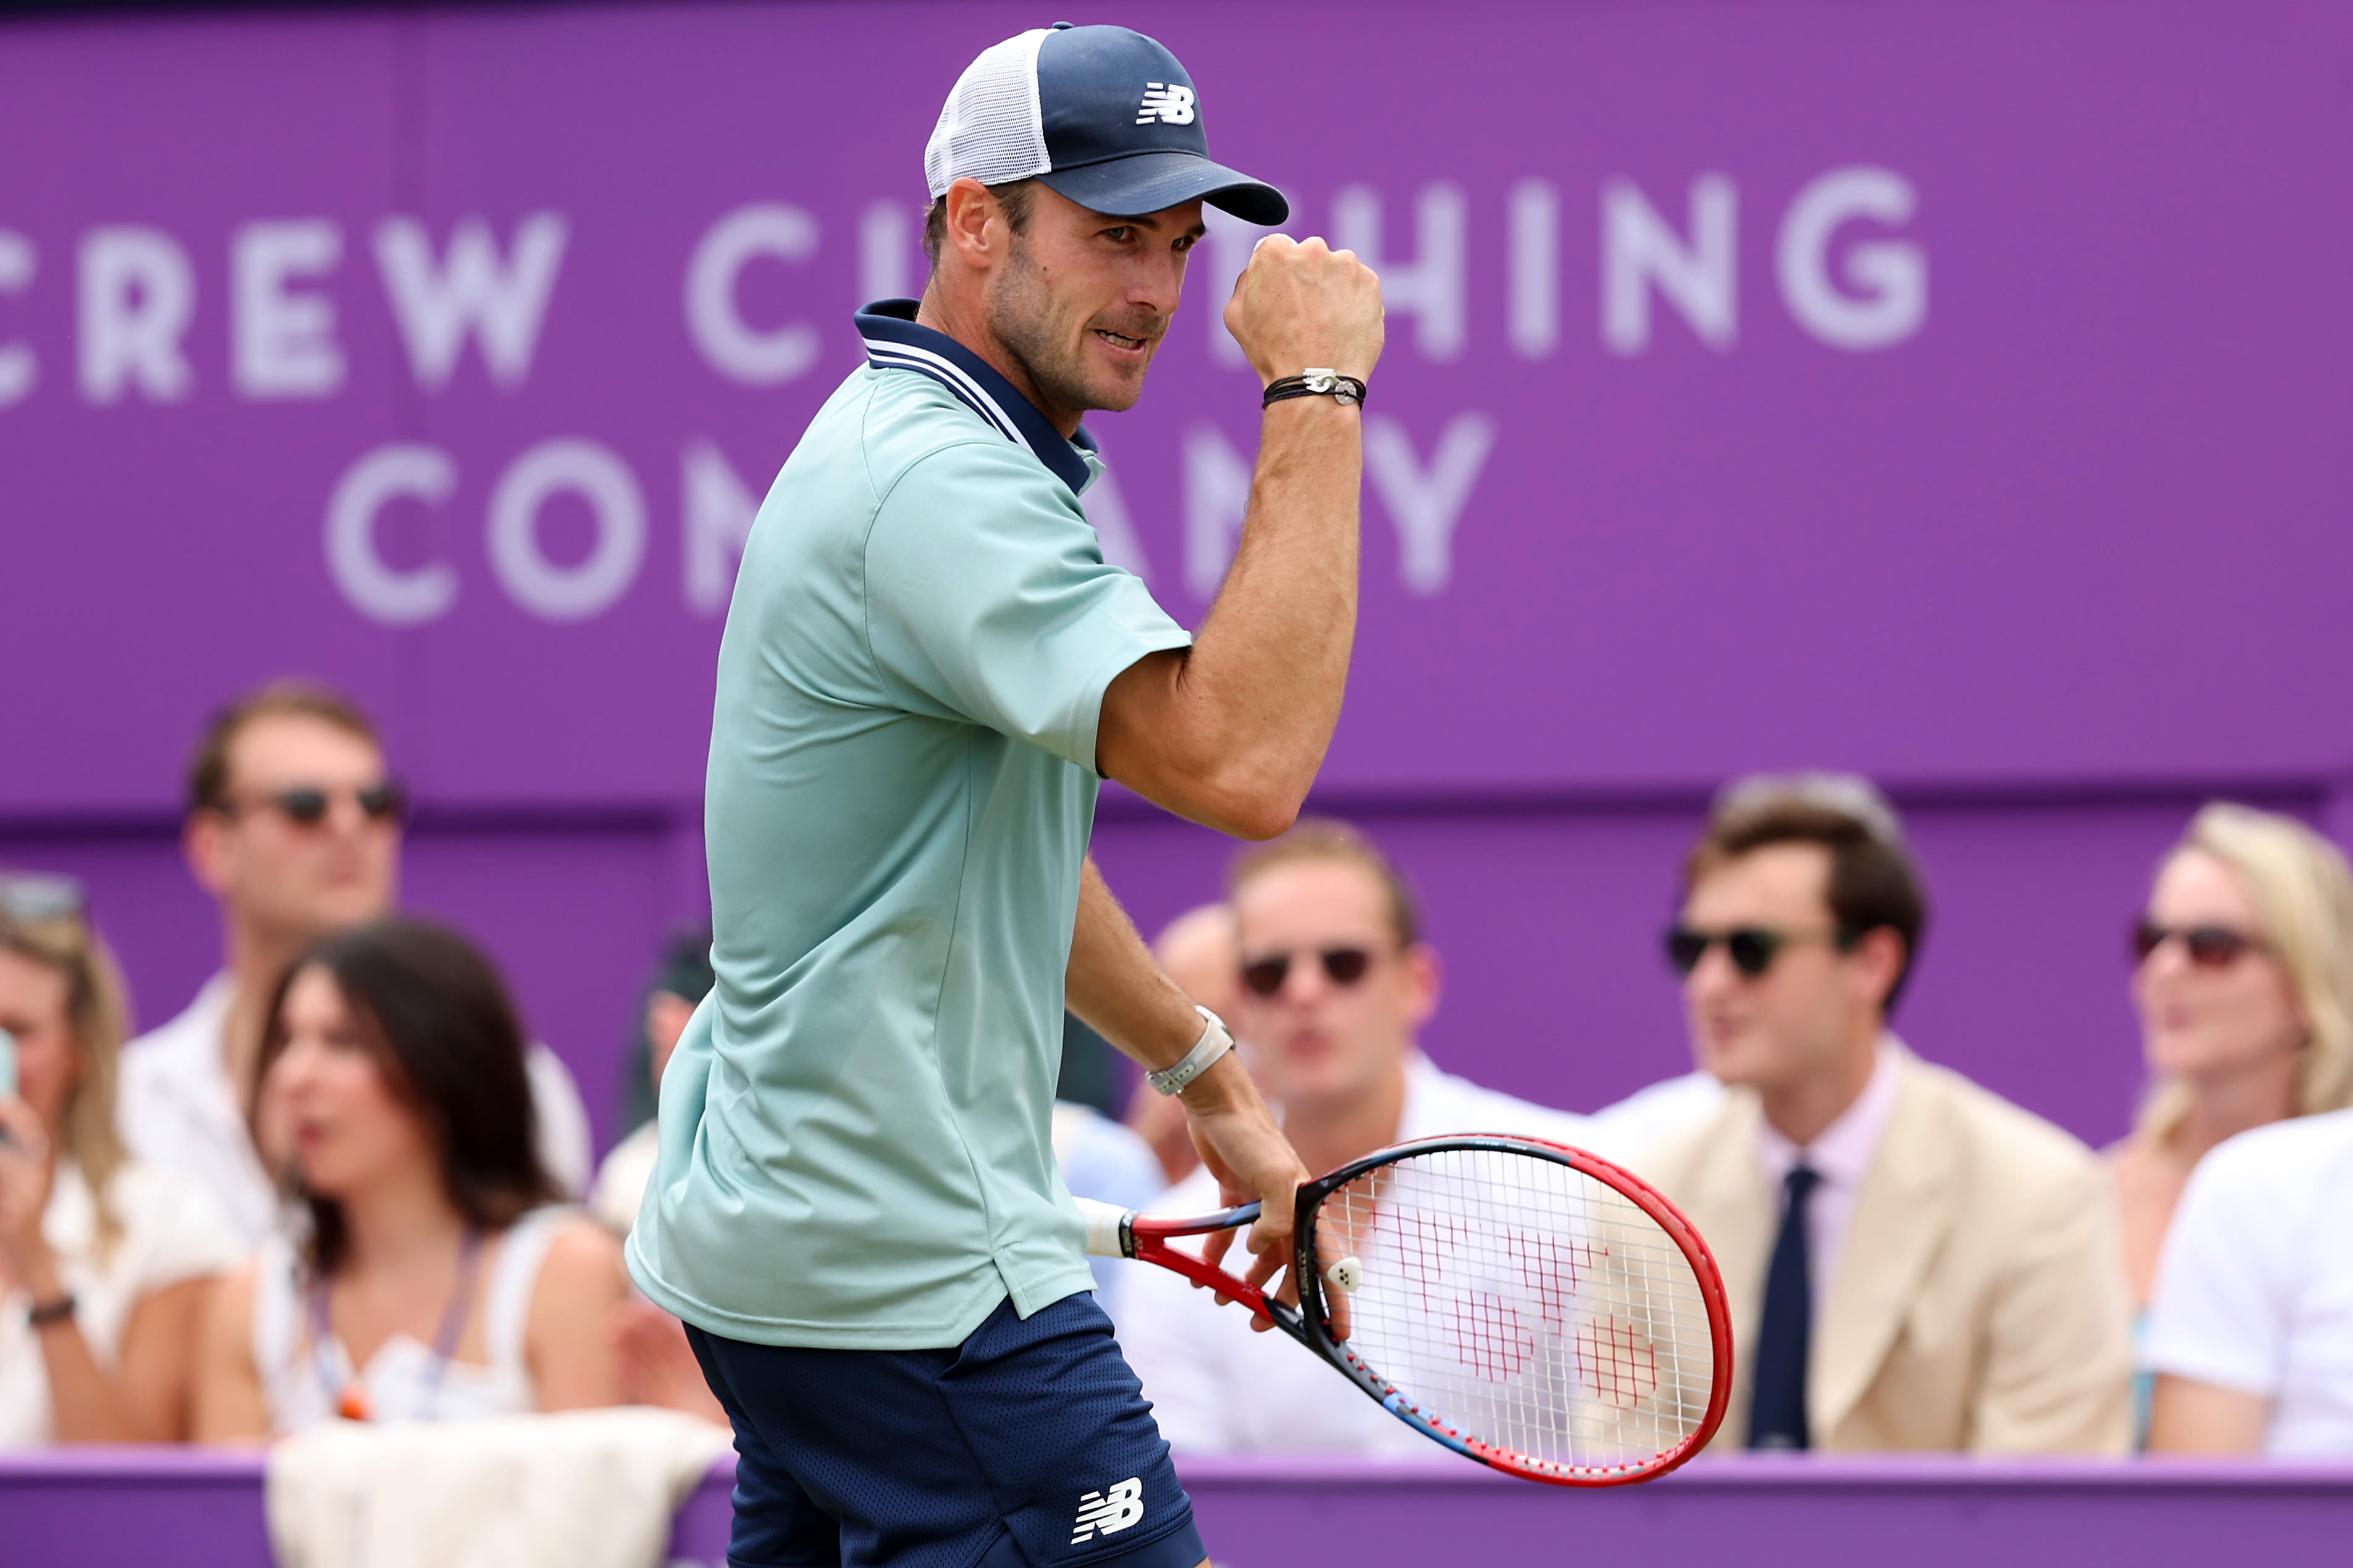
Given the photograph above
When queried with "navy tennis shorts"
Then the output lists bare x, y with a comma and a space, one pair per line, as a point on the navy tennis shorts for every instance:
1028, 1446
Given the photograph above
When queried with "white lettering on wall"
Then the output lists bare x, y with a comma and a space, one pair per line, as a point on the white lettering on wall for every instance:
1429, 288
1534, 284
138, 293
594, 474
471, 292
281, 344
1115, 525
19, 369
1640, 249
718, 509
887, 252
1890, 278
1217, 498
730, 344
401, 472
1425, 503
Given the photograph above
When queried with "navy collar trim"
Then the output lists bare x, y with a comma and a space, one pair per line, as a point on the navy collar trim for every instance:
894, 341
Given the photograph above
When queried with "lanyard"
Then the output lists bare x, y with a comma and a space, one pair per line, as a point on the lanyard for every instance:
349, 1393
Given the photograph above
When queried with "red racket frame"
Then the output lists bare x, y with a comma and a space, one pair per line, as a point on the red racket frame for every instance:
1145, 1237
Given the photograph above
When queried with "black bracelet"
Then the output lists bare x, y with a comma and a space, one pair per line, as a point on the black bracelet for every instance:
44, 1313
1314, 382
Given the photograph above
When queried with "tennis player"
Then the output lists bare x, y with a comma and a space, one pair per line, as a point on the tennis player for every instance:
928, 670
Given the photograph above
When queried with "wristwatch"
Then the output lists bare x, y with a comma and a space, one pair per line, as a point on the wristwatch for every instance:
42, 1314
1216, 1041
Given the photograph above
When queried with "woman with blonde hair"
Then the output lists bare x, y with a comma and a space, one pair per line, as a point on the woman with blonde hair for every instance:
103, 1262
2245, 990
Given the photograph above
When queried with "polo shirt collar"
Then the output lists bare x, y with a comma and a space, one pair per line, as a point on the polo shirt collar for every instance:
895, 342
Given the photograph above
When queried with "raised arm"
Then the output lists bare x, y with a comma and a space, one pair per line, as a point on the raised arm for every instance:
1230, 731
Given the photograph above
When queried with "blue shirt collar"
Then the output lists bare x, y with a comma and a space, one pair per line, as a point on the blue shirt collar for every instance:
894, 341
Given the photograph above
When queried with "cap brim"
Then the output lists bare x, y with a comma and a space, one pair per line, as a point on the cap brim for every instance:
1145, 183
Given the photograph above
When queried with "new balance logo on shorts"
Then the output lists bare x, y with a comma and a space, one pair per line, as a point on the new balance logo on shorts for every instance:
1173, 105
1109, 1511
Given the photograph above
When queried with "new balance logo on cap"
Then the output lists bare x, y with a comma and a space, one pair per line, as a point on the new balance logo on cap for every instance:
1113, 1510
1170, 105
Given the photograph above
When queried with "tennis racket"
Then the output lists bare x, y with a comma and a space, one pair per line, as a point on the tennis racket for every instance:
1527, 1304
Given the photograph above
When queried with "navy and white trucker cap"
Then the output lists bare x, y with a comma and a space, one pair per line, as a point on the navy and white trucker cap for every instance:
1104, 115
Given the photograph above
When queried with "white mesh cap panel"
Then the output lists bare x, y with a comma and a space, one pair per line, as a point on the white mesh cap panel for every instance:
990, 127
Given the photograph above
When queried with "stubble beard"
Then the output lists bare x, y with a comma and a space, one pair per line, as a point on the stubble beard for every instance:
1021, 316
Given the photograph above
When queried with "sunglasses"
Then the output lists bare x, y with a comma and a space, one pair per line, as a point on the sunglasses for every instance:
1752, 949
2209, 947
40, 896
1342, 965
306, 805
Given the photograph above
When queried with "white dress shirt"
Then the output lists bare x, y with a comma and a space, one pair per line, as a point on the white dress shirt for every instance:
1218, 1388
179, 1114
1841, 1155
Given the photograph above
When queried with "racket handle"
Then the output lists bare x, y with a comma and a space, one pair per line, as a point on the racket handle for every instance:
1104, 1225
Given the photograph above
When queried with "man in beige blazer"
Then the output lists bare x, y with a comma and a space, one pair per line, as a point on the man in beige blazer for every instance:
1911, 1262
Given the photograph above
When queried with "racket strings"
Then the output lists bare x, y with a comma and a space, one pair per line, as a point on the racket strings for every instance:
1512, 1301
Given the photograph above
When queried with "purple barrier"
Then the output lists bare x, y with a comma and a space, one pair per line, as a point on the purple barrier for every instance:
85, 1508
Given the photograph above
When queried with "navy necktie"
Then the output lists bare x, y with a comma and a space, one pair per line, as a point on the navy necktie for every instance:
1776, 1416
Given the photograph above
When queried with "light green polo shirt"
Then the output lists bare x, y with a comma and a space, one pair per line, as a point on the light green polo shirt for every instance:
855, 1147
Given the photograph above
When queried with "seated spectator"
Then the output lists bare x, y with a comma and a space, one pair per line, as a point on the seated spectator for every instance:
1197, 951
684, 980
1337, 984
2251, 1333
2245, 990
293, 828
438, 1279
103, 1263
1910, 1262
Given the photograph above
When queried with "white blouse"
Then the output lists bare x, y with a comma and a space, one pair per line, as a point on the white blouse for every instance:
170, 1232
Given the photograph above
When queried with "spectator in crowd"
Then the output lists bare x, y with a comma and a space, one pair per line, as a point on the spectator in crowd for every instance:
103, 1262
684, 980
1199, 952
293, 828
1337, 982
1910, 1262
438, 1278
2245, 995
2250, 1333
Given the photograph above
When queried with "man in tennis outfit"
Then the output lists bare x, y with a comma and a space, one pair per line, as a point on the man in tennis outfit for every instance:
927, 671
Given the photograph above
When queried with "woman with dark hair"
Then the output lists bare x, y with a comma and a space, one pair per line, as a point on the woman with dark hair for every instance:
438, 1279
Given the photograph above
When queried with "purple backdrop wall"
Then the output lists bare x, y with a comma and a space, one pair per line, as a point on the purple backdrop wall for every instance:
1950, 392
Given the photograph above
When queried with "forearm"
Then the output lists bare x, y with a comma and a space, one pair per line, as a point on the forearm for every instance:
1232, 732
86, 1405
1113, 985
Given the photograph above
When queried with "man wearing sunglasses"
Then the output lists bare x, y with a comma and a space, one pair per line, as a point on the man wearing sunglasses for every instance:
1911, 1262
1337, 983
293, 828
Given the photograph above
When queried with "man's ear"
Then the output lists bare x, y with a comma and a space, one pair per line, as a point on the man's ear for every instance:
972, 206
1426, 977
1879, 955
203, 844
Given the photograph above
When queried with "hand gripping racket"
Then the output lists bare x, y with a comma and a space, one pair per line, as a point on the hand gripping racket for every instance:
1524, 1303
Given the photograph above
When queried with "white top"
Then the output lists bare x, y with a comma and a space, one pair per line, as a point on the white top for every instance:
2254, 1289
1218, 1388
1658, 1111
301, 1383
621, 1179
171, 1232
178, 1111
1841, 1154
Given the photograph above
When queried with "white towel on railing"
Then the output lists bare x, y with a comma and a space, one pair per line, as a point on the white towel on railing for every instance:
588, 1488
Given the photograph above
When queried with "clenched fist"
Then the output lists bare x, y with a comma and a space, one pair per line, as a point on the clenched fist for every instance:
1301, 303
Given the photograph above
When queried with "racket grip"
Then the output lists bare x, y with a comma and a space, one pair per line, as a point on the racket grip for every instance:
1104, 1221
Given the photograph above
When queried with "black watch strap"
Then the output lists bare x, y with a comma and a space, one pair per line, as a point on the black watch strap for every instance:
45, 1313
1314, 382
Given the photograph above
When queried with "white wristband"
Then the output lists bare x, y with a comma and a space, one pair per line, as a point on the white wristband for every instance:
1216, 1041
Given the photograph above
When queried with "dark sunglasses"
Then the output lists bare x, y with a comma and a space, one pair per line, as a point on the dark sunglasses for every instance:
1342, 965
1752, 949
2209, 947
306, 805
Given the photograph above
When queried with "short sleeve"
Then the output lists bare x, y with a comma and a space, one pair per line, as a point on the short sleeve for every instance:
174, 1230
988, 599
2221, 1312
